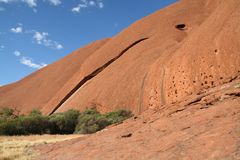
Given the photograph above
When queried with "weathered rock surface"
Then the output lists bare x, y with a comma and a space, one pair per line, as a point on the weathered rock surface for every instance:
204, 126
162, 58
37, 89
179, 68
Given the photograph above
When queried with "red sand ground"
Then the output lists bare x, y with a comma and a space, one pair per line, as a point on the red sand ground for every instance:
155, 65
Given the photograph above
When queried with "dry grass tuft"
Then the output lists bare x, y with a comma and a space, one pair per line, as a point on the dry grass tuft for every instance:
19, 147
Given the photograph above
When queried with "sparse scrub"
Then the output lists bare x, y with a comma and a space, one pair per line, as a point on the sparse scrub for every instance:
35, 124
69, 122
118, 116
63, 123
11, 127
92, 121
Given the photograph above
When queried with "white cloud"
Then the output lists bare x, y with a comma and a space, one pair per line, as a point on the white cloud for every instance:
59, 46
92, 3
88, 3
31, 3
17, 53
30, 63
78, 7
100, 4
41, 38
7, 1
55, 2
18, 29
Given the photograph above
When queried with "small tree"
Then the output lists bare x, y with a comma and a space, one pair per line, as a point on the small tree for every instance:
35, 123
12, 127
64, 123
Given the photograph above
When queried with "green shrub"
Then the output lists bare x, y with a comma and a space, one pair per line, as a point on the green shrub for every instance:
92, 121
67, 122
118, 116
63, 123
71, 118
9, 123
57, 123
35, 124
12, 127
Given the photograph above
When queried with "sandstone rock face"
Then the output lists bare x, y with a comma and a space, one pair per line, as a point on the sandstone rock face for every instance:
176, 52
204, 126
179, 68
38, 88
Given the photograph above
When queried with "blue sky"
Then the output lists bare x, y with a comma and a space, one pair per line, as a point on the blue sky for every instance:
34, 33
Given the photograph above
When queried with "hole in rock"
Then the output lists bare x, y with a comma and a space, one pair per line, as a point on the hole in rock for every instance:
181, 26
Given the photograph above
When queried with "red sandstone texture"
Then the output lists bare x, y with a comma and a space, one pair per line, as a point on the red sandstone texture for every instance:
178, 70
154, 62
201, 127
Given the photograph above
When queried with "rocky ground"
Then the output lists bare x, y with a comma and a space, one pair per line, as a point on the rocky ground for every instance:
202, 126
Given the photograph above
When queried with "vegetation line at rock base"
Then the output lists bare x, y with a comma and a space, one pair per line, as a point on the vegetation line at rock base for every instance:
69, 122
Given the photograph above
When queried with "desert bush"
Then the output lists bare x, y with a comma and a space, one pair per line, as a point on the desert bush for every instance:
9, 123
118, 116
35, 124
71, 121
63, 123
11, 127
92, 121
